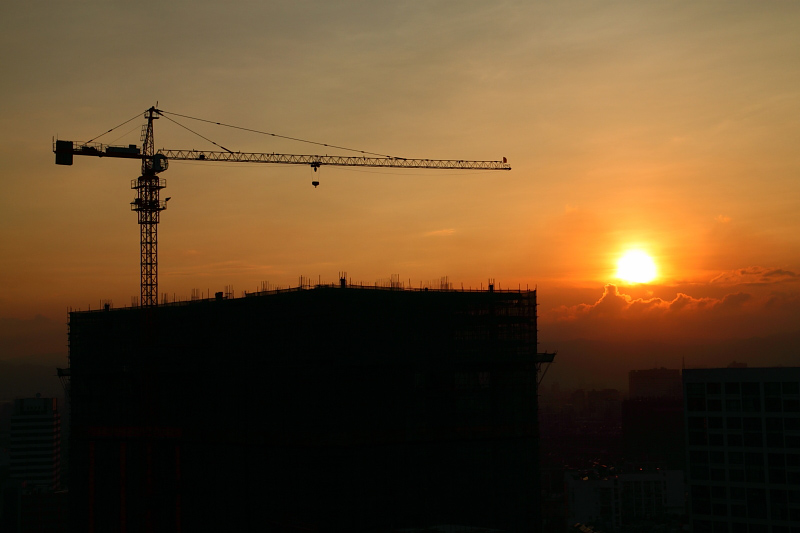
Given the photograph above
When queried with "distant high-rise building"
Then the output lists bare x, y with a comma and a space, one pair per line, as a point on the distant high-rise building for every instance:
652, 419
654, 383
35, 443
743, 435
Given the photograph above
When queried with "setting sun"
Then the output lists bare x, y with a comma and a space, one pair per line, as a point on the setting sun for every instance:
636, 267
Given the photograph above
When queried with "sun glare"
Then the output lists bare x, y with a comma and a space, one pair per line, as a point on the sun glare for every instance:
636, 267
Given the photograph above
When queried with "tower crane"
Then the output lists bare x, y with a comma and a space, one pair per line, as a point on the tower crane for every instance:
148, 204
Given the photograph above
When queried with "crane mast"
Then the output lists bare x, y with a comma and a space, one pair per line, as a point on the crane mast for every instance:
148, 204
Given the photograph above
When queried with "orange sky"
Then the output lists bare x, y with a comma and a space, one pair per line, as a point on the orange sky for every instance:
672, 127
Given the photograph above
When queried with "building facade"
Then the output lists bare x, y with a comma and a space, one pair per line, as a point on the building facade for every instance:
743, 449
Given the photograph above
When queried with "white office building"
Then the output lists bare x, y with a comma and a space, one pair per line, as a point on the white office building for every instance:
743, 449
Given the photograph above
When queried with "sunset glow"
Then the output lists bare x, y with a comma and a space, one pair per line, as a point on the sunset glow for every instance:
636, 267
666, 128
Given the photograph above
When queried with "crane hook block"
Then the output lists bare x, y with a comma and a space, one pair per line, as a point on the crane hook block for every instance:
315, 183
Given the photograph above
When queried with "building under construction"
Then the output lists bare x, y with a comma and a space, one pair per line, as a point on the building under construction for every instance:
325, 408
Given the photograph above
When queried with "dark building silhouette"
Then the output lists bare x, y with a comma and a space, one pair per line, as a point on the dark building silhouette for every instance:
652, 419
615, 501
31, 499
325, 408
43, 511
35, 446
655, 383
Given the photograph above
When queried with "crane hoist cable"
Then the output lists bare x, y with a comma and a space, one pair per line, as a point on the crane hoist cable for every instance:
276, 135
198, 134
164, 114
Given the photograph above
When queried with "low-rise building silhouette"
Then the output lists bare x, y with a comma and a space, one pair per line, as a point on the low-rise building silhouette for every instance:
615, 501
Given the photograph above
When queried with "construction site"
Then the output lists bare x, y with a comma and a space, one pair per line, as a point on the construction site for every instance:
327, 407
334, 407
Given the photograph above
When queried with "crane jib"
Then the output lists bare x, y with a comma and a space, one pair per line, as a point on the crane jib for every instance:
65, 150
318, 160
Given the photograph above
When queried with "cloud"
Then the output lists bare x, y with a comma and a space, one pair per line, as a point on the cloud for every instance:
614, 304
440, 232
782, 301
756, 275
732, 301
723, 219
616, 315
601, 341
